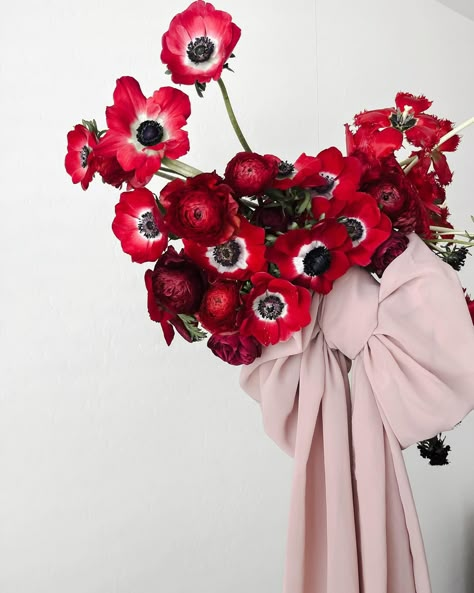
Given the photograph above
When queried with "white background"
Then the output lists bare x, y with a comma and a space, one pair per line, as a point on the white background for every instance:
125, 466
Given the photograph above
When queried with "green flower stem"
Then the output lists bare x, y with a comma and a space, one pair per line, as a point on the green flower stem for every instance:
435, 247
248, 203
445, 231
452, 241
179, 167
231, 114
166, 170
165, 175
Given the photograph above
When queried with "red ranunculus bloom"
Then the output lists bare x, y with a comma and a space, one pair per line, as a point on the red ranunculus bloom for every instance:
219, 307
234, 348
142, 131
271, 216
313, 257
398, 198
201, 209
169, 321
366, 225
80, 160
390, 249
111, 172
198, 43
178, 284
249, 173
137, 226
274, 309
238, 258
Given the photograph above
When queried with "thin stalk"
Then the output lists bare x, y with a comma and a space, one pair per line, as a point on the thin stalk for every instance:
180, 168
435, 247
167, 170
165, 175
231, 114
445, 231
456, 130
409, 167
451, 241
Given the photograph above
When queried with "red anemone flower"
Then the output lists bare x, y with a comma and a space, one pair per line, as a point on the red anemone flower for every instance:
80, 162
198, 43
313, 257
137, 226
142, 131
274, 309
328, 174
238, 258
366, 225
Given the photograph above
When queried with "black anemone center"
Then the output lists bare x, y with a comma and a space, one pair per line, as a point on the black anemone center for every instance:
83, 156
317, 261
355, 228
147, 226
271, 307
149, 132
285, 169
326, 189
200, 50
402, 120
227, 254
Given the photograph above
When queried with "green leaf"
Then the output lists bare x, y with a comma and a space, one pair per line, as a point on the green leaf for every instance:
192, 327
274, 270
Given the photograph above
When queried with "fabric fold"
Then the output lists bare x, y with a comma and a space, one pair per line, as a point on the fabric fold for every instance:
353, 525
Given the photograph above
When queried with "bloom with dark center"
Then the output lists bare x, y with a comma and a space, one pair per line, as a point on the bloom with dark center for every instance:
366, 225
80, 159
238, 258
314, 257
198, 43
201, 209
137, 225
274, 309
329, 174
142, 131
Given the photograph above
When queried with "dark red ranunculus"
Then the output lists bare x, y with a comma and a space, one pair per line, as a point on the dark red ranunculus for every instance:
390, 249
112, 173
198, 43
398, 198
249, 173
168, 321
80, 160
272, 218
178, 284
234, 348
201, 209
219, 306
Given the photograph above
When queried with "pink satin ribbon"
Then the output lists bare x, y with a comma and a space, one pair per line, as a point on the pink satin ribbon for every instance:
353, 525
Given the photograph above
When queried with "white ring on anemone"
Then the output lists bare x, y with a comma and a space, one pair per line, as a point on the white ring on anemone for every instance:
298, 260
240, 264
203, 66
262, 297
364, 230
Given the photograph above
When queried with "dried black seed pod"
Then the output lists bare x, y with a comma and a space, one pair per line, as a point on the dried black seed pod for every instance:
435, 450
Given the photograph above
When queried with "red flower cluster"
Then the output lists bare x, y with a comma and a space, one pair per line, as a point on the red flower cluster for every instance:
258, 240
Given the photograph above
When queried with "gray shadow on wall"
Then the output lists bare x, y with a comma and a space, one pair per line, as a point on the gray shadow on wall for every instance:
469, 553
464, 7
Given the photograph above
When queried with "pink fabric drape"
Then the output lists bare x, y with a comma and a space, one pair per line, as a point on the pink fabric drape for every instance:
353, 526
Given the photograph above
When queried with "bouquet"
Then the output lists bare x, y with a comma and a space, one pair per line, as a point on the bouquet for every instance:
255, 241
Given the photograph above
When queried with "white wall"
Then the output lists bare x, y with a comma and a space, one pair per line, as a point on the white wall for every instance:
126, 466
